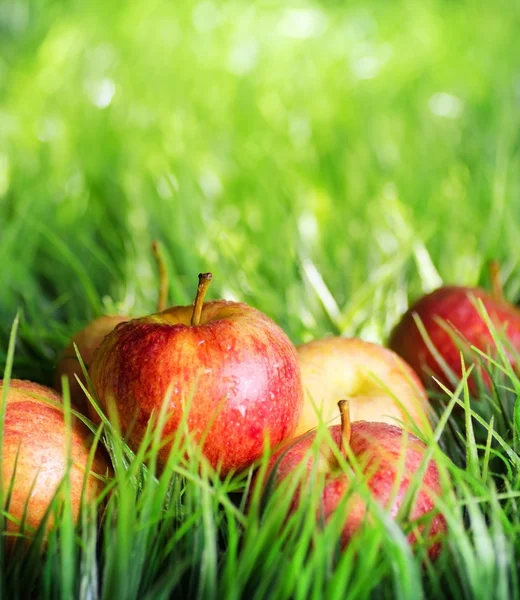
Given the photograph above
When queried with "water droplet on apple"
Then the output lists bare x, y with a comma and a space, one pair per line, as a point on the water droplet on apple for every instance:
241, 408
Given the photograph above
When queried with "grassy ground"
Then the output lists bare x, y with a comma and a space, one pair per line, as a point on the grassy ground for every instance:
327, 163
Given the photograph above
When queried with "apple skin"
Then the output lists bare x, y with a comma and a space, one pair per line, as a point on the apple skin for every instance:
377, 383
378, 448
237, 370
87, 340
454, 306
37, 432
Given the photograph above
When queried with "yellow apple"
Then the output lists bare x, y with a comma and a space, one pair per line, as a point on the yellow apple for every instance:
379, 385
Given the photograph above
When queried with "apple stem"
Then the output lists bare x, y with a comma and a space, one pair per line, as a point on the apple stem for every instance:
157, 249
204, 281
496, 284
345, 425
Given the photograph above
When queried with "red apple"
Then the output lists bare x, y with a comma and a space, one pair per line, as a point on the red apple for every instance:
35, 440
451, 319
378, 384
387, 456
227, 363
91, 336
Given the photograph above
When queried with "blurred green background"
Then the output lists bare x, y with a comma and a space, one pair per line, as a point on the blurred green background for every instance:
326, 161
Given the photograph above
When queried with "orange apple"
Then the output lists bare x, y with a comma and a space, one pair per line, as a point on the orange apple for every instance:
35, 454
89, 338
225, 366
86, 340
379, 385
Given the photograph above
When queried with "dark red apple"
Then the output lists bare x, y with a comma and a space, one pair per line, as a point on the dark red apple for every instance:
35, 454
91, 336
451, 319
388, 457
227, 364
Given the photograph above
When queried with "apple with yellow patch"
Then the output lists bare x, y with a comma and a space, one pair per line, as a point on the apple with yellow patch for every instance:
224, 367
379, 385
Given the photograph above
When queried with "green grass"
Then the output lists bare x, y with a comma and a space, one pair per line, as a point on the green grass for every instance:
328, 163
